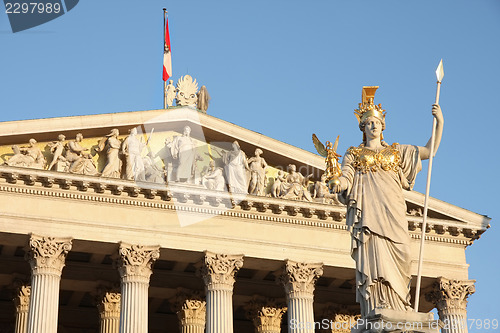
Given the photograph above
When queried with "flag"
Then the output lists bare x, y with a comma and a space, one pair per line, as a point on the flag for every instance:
167, 56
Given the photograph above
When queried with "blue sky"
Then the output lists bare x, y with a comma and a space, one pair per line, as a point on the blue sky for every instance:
288, 69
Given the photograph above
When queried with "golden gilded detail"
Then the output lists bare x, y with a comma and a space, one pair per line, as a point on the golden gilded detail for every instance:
367, 108
368, 160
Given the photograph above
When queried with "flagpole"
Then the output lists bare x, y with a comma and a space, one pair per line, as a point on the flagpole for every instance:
439, 75
164, 41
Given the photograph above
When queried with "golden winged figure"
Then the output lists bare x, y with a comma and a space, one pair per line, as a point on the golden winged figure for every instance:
333, 169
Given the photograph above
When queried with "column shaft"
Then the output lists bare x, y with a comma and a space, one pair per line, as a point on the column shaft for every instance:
134, 305
46, 256
22, 302
298, 280
135, 268
219, 311
218, 272
44, 303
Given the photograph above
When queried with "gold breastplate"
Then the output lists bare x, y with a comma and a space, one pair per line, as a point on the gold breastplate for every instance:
367, 160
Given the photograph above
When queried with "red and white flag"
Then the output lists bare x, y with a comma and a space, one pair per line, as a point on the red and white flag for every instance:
167, 56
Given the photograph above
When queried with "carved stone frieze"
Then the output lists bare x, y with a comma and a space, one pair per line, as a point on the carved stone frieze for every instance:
450, 296
47, 253
299, 278
218, 270
265, 314
136, 261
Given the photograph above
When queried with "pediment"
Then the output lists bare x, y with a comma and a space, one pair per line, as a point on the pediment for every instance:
211, 135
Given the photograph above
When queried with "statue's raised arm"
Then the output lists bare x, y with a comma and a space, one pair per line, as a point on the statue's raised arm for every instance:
425, 151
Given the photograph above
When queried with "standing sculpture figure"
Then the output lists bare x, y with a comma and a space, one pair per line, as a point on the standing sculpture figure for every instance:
183, 152
111, 144
203, 99
236, 168
132, 148
57, 150
80, 159
374, 175
257, 166
170, 91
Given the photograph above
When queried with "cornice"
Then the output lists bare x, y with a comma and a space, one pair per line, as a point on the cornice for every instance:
44, 183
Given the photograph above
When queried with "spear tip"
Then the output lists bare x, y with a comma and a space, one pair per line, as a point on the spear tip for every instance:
440, 71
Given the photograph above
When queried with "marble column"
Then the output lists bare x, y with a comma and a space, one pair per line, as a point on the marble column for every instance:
108, 304
218, 272
135, 268
22, 302
46, 256
298, 279
190, 308
450, 299
265, 314
340, 319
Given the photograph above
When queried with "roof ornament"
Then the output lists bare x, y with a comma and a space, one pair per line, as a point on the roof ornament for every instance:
187, 89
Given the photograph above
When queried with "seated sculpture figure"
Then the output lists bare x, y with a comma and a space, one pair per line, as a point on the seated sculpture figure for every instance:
80, 159
214, 178
29, 157
322, 193
295, 185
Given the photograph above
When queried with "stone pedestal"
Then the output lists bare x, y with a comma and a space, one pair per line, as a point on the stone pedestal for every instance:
135, 268
46, 256
265, 315
108, 304
388, 320
450, 299
22, 302
191, 311
298, 280
218, 272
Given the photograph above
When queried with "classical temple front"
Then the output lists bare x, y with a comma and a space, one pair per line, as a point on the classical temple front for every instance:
177, 221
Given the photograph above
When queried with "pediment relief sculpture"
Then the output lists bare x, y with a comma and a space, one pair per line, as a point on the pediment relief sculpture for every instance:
181, 159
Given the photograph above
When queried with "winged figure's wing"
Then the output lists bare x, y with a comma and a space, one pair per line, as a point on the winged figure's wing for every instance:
336, 144
319, 146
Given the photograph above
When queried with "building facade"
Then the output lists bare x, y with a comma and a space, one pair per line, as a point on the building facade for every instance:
85, 251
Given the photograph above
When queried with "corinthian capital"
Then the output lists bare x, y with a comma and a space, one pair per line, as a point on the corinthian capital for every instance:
341, 318
450, 296
22, 298
136, 261
219, 270
47, 253
299, 277
190, 307
108, 302
265, 314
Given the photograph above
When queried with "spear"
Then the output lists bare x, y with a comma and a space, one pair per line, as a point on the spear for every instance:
439, 76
